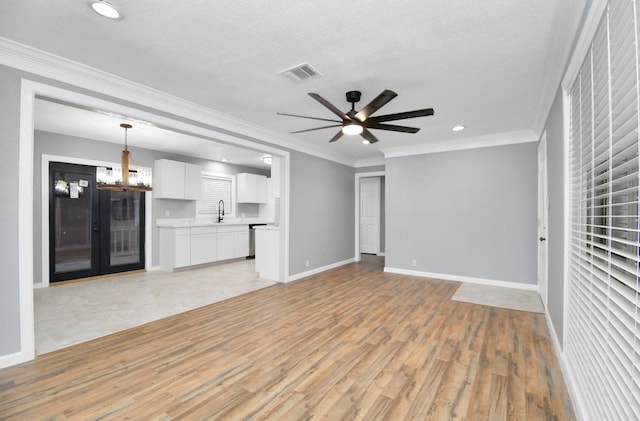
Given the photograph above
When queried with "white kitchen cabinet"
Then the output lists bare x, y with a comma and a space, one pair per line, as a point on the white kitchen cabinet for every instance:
251, 188
203, 245
176, 180
268, 252
197, 245
233, 241
175, 248
241, 243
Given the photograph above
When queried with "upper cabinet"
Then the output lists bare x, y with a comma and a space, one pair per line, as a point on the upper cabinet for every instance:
251, 188
176, 180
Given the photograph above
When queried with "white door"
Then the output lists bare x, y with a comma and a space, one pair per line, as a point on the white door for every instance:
543, 216
370, 215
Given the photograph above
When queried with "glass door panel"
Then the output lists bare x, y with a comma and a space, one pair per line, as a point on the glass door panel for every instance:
125, 228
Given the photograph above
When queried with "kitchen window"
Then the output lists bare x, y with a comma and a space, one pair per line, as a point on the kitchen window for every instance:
216, 187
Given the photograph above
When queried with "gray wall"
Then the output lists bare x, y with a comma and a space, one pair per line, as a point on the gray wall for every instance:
73, 147
322, 213
555, 233
467, 213
9, 135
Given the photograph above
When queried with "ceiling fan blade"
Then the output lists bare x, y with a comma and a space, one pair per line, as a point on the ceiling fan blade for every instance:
401, 116
317, 128
312, 118
330, 106
376, 104
336, 137
392, 127
369, 136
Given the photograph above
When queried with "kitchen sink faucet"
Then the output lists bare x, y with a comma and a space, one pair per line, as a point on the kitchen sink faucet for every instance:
220, 217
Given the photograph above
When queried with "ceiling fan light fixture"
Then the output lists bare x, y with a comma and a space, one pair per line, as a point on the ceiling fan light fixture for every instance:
106, 9
352, 128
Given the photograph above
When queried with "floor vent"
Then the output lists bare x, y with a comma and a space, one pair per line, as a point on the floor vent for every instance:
301, 73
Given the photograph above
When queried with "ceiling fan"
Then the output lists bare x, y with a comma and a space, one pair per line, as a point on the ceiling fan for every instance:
359, 122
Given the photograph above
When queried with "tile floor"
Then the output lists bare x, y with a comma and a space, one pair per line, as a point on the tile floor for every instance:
69, 314
495, 296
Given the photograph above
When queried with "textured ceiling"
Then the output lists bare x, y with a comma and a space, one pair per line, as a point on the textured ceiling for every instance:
483, 64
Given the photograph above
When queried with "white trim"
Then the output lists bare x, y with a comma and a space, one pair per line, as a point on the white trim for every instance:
446, 145
358, 176
458, 278
382, 254
566, 107
13, 359
576, 399
44, 209
563, 33
25, 229
596, 10
39, 62
319, 270
370, 162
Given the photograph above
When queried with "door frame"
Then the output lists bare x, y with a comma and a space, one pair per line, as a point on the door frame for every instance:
44, 189
543, 221
377, 181
358, 176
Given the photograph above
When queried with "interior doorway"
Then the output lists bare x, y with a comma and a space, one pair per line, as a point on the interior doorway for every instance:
370, 215
92, 232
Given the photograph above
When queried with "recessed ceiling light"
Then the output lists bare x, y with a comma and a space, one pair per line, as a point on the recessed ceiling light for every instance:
106, 9
457, 128
224, 160
267, 159
365, 142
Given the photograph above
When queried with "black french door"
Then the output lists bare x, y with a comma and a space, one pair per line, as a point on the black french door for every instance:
91, 232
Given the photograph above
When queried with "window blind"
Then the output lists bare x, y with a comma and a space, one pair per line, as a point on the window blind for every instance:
214, 189
602, 337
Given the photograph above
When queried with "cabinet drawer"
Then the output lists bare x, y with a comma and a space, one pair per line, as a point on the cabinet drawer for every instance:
234, 228
203, 230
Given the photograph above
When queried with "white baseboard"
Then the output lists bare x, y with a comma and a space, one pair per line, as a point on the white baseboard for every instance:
578, 405
382, 253
447, 277
15, 359
153, 268
318, 270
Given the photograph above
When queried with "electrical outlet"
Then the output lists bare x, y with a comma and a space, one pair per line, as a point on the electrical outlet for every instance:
306, 264
414, 262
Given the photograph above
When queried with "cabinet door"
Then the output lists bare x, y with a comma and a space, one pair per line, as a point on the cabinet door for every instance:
203, 248
246, 188
241, 244
168, 179
262, 195
182, 249
193, 182
225, 245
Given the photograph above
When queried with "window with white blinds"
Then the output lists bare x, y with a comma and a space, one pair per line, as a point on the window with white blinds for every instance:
602, 337
214, 189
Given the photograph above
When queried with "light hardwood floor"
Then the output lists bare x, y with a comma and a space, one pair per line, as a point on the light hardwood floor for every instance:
352, 343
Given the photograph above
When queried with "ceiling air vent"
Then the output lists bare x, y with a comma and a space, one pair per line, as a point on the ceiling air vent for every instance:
301, 73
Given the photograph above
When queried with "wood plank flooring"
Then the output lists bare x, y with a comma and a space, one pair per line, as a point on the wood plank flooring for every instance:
353, 343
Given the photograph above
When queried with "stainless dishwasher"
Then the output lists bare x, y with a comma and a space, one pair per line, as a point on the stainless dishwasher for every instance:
252, 240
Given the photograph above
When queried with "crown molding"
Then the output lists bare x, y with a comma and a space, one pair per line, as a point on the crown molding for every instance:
564, 32
42, 63
497, 139
370, 162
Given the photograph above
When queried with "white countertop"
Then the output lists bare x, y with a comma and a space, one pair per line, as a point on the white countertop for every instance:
267, 227
205, 222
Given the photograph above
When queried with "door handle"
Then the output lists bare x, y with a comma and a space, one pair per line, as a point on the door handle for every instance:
542, 239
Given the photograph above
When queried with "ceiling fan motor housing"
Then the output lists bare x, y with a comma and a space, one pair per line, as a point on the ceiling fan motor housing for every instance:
353, 96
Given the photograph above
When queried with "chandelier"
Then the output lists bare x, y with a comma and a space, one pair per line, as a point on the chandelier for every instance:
123, 178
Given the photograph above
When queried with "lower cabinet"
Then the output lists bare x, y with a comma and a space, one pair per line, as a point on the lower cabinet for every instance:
203, 245
190, 246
